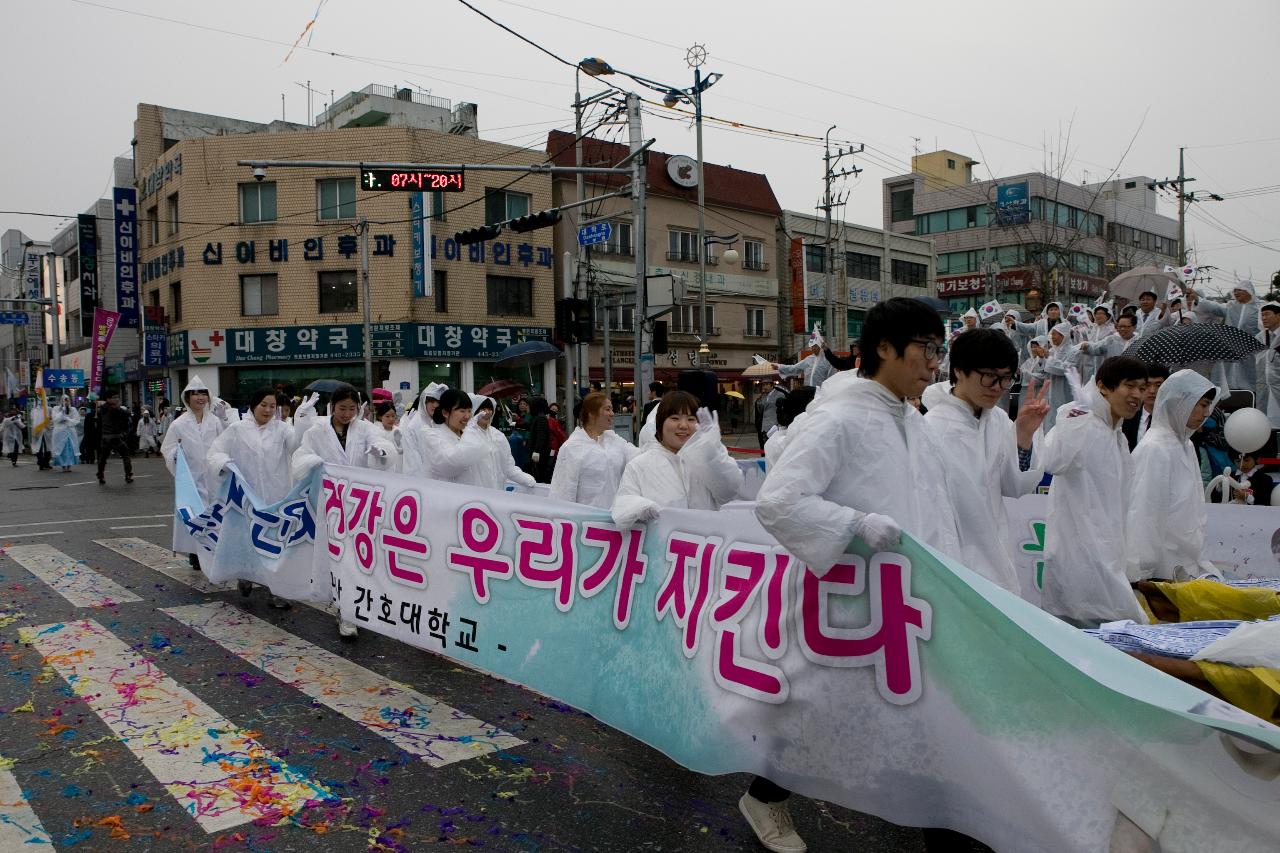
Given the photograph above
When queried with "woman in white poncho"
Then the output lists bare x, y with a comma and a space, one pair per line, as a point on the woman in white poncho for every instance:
590, 464
687, 468
1167, 515
455, 449
498, 465
66, 441
192, 434
148, 430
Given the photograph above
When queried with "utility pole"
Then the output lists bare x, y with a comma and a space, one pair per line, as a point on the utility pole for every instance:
640, 375
362, 225
1182, 206
830, 175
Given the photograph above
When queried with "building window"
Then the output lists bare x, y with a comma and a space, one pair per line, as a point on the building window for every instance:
155, 298
501, 205
1129, 185
437, 206
687, 319
173, 213
153, 218
854, 320
510, 295
902, 205
753, 255
815, 258
440, 288
258, 295
619, 240
175, 300
337, 198
682, 246
620, 317
908, 273
755, 323
338, 293
258, 202
860, 265
951, 164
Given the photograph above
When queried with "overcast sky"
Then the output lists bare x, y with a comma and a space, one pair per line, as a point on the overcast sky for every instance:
1004, 82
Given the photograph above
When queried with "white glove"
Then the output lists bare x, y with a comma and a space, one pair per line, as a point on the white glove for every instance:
398, 438
220, 407
376, 451
879, 531
708, 421
537, 456
650, 513
363, 408
307, 407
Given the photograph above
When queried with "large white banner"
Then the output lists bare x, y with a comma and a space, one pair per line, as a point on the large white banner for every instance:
899, 684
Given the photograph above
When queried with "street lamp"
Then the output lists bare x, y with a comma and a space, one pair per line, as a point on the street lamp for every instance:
51, 257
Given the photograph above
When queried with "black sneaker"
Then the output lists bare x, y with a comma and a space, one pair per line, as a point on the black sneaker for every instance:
245, 587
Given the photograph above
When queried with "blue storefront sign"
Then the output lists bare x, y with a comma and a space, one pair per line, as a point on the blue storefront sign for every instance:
155, 352
1013, 205
421, 278
63, 378
126, 238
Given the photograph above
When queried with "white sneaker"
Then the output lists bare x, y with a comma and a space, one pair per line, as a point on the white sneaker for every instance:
772, 824
346, 629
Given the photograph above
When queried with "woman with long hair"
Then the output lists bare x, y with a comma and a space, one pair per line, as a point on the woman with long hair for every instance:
456, 448
590, 464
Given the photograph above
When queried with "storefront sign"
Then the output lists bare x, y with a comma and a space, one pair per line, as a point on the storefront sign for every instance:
88, 232
163, 264
421, 269
347, 247
126, 218
952, 285
265, 345
1013, 204
103, 324
154, 352
162, 175
31, 274
864, 295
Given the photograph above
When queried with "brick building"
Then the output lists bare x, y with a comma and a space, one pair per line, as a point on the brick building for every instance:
259, 280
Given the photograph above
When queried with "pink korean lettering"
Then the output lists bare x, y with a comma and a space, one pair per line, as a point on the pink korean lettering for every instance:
404, 543
333, 496
367, 506
545, 556
890, 641
741, 583
687, 552
481, 534
630, 568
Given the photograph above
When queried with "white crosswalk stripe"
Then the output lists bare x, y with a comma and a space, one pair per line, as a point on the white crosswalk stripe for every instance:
70, 578
20, 829
412, 721
219, 773
163, 561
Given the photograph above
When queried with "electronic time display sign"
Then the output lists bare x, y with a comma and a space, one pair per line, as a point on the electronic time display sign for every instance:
412, 180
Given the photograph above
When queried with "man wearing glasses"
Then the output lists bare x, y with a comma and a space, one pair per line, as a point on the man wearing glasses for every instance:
860, 464
988, 456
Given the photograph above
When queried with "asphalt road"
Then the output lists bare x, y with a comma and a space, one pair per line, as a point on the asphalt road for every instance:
573, 784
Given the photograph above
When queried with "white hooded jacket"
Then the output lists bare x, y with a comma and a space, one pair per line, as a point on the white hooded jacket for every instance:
494, 470
320, 444
701, 476
588, 470
1087, 558
261, 453
1061, 365
981, 469
857, 449
194, 439
1167, 513
65, 420
455, 458
1268, 362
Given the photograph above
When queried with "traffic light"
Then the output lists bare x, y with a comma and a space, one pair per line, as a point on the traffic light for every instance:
534, 221
477, 235
660, 346
573, 321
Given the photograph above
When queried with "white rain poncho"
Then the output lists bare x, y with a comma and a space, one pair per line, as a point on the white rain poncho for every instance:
1061, 367
1167, 513
194, 438
413, 429
701, 476
1042, 324
148, 430
857, 450
455, 458
1269, 376
774, 445
1095, 333
11, 433
1087, 558
499, 465
366, 447
981, 469
589, 470
1243, 374
65, 442
260, 453
649, 431
814, 368
1021, 340
393, 462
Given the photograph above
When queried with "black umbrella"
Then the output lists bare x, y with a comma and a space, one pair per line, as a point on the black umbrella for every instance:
1194, 342
528, 354
325, 386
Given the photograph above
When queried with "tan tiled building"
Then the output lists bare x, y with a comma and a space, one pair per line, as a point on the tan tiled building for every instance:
742, 298
260, 279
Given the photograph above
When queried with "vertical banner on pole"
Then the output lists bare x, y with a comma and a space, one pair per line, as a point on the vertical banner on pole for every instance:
104, 326
88, 228
126, 218
419, 244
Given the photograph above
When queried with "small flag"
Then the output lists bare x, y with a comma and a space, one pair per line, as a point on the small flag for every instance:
1078, 311
1184, 273
989, 309
1174, 292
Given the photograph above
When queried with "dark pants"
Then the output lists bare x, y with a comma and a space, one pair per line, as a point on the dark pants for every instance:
117, 444
44, 459
767, 792
13, 457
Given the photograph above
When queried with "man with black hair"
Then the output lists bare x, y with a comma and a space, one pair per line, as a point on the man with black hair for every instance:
1268, 370
113, 421
656, 390
1114, 344
988, 456
1088, 561
860, 464
767, 411
1148, 311
1136, 427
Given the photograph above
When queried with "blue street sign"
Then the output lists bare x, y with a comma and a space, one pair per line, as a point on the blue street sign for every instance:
589, 235
14, 318
63, 378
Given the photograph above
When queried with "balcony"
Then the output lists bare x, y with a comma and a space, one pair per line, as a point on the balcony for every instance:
758, 266
756, 333
712, 332
610, 249
691, 258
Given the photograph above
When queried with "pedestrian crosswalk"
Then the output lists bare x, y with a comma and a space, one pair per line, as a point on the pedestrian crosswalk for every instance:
71, 579
220, 774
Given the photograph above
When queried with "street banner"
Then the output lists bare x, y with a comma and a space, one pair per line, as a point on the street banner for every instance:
104, 326
64, 378
898, 683
420, 272
126, 220
88, 246
31, 262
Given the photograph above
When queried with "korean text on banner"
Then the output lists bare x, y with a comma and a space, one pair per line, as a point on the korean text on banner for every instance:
104, 326
88, 247
126, 219
888, 685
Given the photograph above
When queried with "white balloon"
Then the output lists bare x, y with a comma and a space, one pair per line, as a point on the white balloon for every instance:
1247, 429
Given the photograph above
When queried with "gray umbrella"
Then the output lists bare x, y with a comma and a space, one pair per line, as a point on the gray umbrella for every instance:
1132, 284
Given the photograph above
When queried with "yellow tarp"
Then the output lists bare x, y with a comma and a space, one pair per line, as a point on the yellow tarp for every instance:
1205, 599
1254, 689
